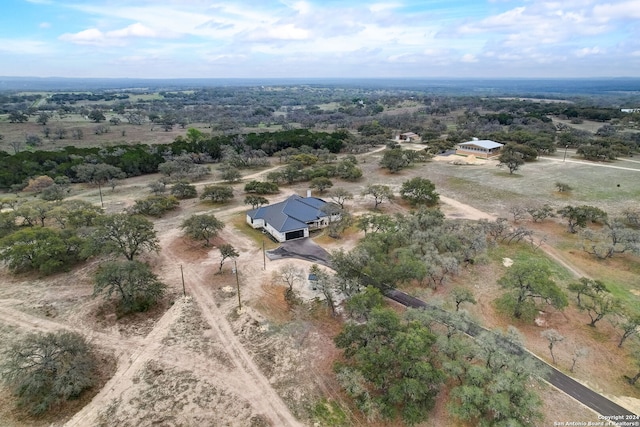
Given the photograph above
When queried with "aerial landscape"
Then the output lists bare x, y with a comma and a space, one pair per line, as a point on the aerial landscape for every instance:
305, 213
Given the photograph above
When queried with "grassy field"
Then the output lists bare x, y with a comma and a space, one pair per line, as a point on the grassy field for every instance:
494, 189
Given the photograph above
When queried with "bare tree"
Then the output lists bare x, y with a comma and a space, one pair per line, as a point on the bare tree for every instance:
517, 212
554, 337
379, 192
340, 196
578, 354
289, 275
326, 285
16, 145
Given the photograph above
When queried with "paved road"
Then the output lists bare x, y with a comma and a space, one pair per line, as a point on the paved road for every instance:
568, 385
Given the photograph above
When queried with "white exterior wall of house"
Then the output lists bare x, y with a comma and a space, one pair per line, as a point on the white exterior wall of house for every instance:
256, 223
282, 237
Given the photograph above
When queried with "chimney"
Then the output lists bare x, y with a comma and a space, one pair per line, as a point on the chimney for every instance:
308, 193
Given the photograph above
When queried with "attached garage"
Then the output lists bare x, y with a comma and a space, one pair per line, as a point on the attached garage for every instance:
294, 235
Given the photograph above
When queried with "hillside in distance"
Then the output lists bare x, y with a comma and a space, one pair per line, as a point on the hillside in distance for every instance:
494, 87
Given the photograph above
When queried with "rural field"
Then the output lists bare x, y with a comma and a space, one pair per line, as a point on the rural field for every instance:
198, 358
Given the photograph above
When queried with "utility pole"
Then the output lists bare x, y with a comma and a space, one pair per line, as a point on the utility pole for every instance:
264, 257
184, 291
100, 191
565, 152
235, 265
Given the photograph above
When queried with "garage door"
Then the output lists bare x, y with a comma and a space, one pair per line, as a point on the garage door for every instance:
294, 235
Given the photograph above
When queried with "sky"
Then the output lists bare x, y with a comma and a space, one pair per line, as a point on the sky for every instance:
320, 38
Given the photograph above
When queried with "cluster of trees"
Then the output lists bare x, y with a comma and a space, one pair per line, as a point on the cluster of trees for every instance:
55, 236
72, 98
395, 159
178, 160
361, 109
611, 236
395, 365
420, 246
298, 170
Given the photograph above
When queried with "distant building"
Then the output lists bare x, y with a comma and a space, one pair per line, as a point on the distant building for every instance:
479, 148
630, 110
292, 218
409, 137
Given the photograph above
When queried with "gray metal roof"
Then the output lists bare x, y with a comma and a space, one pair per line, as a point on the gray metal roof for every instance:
483, 143
290, 214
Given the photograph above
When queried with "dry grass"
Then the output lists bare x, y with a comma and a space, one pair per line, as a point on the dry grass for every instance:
133, 134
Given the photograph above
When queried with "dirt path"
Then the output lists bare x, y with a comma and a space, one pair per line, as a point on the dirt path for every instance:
31, 323
128, 366
461, 210
257, 389
242, 378
591, 164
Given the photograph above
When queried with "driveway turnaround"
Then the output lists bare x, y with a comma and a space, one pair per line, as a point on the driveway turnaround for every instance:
305, 249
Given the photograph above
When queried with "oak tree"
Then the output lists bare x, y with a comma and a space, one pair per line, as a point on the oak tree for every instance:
124, 234
528, 284
217, 193
202, 227
132, 281
419, 191
44, 369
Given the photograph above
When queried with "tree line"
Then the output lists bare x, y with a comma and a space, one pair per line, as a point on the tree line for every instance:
140, 159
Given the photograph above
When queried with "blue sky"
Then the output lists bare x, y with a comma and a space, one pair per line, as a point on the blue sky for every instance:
320, 38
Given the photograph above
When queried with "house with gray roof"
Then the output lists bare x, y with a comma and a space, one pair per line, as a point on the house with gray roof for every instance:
291, 218
479, 148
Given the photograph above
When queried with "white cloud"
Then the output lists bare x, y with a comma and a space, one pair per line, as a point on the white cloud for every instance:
469, 58
381, 7
302, 7
226, 58
414, 37
21, 46
44, 25
94, 36
620, 10
278, 32
587, 51
133, 30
